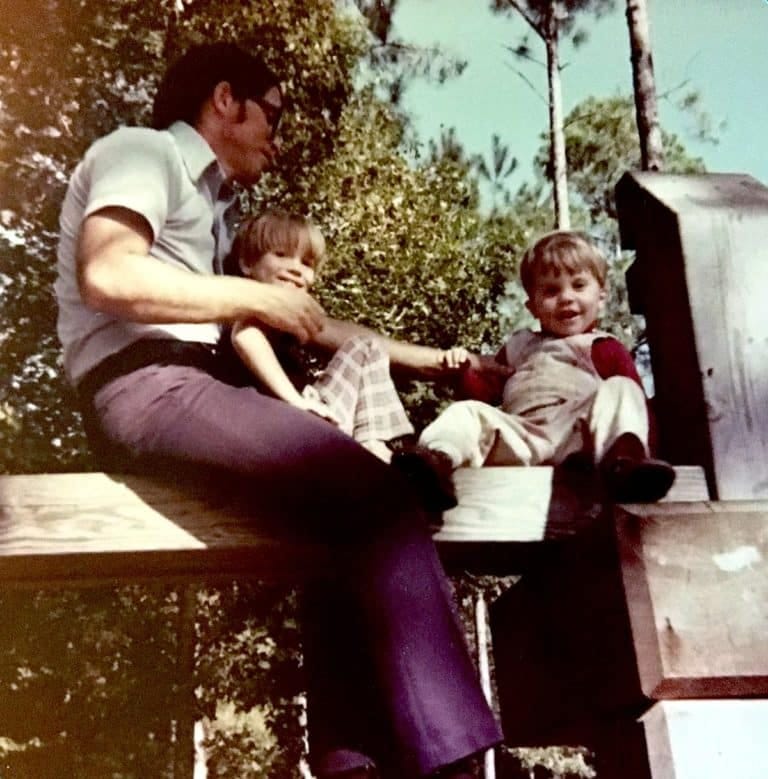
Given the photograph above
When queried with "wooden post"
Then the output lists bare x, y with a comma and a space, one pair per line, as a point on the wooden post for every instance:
184, 747
700, 276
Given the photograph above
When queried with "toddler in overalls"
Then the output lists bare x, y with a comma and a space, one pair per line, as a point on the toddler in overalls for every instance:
573, 392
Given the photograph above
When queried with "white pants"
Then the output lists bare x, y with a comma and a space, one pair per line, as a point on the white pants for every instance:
474, 433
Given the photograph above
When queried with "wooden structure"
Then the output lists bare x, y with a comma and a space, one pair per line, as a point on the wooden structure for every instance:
734, 728
80, 528
656, 619
631, 628
662, 602
699, 277
92, 528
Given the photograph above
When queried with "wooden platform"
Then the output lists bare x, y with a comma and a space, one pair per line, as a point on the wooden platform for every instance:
696, 583
83, 527
714, 739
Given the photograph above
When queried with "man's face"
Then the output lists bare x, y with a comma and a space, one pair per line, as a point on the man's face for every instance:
249, 143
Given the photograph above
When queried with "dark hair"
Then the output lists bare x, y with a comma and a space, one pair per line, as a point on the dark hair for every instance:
190, 81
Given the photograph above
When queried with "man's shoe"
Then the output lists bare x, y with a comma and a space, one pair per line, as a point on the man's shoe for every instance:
431, 471
645, 480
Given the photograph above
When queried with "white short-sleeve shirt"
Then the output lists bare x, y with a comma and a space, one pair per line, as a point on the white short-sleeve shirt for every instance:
170, 177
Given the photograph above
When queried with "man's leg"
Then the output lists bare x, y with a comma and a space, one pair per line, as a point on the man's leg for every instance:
298, 467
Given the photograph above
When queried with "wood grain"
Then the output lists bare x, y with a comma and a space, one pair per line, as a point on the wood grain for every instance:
700, 277
82, 526
696, 583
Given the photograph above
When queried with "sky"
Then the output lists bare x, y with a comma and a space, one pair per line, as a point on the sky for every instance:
714, 46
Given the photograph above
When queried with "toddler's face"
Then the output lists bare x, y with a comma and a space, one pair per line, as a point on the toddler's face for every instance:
292, 270
566, 303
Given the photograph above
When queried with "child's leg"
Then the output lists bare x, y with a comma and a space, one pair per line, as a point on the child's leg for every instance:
474, 433
619, 426
357, 385
619, 408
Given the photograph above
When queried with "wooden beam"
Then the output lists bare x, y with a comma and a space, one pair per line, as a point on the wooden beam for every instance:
699, 277
696, 583
91, 527
709, 739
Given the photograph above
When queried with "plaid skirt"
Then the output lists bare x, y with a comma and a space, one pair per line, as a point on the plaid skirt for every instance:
357, 388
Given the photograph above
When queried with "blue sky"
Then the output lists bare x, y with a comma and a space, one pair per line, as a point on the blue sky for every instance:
717, 46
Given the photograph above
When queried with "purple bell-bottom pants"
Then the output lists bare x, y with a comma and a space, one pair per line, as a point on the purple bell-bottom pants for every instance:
389, 677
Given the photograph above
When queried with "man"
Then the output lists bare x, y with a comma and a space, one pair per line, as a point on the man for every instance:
144, 226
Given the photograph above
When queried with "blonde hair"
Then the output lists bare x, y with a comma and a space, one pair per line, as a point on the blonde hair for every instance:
562, 251
277, 231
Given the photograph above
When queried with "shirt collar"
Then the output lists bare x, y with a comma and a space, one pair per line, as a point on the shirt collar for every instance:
198, 156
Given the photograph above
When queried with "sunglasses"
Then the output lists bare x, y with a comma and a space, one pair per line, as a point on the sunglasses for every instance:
272, 113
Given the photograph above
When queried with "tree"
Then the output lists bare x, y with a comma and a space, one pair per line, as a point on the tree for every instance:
601, 144
408, 255
550, 20
646, 110
494, 171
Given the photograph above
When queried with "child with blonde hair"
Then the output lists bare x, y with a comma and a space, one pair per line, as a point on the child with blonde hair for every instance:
355, 391
573, 389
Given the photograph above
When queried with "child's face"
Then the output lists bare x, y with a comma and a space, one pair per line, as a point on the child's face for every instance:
291, 270
566, 303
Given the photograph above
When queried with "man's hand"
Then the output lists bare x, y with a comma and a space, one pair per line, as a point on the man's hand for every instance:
118, 276
290, 310
318, 408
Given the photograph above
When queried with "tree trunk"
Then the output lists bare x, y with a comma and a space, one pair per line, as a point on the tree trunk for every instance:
556, 133
646, 108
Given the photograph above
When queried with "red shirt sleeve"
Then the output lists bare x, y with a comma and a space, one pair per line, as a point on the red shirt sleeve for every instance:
611, 358
483, 385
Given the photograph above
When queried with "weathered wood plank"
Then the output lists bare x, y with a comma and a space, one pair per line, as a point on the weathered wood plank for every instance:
704, 236
709, 739
82, 526
521, 504
696, 582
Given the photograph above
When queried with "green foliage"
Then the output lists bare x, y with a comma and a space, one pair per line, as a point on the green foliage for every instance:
601, 144
409, 256
70, 712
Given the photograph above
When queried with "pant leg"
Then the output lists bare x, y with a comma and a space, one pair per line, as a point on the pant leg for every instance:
619, 407
474, 433
297, 466
358, 387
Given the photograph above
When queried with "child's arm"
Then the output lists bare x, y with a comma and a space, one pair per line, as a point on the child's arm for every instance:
611, 358
254, 349
484, 376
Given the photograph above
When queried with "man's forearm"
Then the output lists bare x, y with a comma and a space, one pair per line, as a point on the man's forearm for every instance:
118, 275
142, 289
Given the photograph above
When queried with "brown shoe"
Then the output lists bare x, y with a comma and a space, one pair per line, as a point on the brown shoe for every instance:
637, 481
